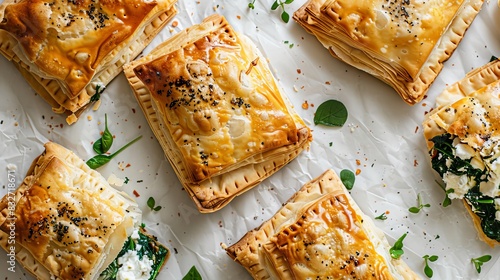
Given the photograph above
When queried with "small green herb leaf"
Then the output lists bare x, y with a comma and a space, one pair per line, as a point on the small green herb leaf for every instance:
331, 113
192, 274
427, 269
285, 16
381, 217
419, 207
347, 178
447, 200
275, 5
101, 160
396, 250
414, 210
493, 58
103, 144
251, 5
126, 180
97, 94
152, 204
479, 261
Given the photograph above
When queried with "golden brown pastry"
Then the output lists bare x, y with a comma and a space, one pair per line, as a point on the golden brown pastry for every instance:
66, 221
463, 137
320, 233
214, 106
403, 43
67, 49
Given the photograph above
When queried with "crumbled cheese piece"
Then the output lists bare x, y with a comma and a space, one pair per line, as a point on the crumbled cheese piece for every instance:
115, 181
490, 187
461, 185
133, 268
464, 151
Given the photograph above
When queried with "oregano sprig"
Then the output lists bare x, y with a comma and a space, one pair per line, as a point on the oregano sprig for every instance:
381, 217
420, 205
427, 269
396, 251
251, 5
447, 200
479, 261
152, 204
279, 3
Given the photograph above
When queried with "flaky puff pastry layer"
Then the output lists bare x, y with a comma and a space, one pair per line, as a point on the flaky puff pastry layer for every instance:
216, 109
65, 49
403, 43
469, 111
320, 233
68, 221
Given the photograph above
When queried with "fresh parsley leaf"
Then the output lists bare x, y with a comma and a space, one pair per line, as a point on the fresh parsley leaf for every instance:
381, 217
152, 204
126, 180
347, 177
427, 269
331, 113
192, 274
396, 251
479, 261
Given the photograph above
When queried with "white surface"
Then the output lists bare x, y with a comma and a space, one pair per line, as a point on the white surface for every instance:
382, 132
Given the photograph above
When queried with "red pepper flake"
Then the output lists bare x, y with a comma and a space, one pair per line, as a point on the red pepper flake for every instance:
133, 110
387, 212
136, 193
128, 165
328, 83
358, 162
238, 17
299, 71
416, 129
415, 163
358, 171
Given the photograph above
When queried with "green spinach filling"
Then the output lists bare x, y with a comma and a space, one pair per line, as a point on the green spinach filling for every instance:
149, 247
444, 160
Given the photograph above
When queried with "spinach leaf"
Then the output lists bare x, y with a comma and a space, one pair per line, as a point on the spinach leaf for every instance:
347, 177
101, 160
331, 113
103, 144
192, 274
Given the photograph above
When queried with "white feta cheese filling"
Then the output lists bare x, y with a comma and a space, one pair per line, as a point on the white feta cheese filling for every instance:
133, 268
460, 185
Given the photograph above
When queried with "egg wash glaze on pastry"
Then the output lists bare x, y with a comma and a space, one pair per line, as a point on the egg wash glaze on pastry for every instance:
211, 100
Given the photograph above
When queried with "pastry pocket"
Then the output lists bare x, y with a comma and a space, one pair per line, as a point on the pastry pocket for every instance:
319, 233
401, 43
463, 139
67, 51
66, 221
216, 109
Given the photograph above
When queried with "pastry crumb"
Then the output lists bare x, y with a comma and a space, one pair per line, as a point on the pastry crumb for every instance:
305, 105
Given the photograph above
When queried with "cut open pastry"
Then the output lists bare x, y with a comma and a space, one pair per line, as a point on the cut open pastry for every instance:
66, 222
463, 138
403, 43
216, 109
69, 50
320, 233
